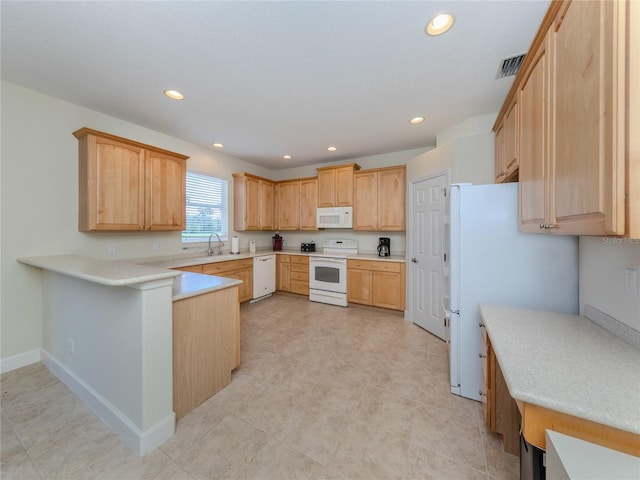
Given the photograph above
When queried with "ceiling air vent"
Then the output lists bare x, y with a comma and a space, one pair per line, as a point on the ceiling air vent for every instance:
509, 66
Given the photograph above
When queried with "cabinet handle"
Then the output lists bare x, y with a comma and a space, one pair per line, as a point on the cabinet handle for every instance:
542, 226
414, 260
481, 393
482, 355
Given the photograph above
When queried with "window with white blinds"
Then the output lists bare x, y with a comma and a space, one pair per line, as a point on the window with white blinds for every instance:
207, 207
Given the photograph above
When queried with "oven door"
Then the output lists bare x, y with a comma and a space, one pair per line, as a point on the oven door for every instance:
328, 274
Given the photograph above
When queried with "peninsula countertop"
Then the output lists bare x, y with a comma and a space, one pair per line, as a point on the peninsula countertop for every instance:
566, 363
104, 272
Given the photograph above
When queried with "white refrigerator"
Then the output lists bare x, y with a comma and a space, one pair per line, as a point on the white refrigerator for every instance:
490, 261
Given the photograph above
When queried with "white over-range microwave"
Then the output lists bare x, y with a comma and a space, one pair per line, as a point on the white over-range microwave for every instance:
334, 217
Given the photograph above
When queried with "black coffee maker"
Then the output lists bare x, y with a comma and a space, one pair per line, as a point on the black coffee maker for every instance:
384, 247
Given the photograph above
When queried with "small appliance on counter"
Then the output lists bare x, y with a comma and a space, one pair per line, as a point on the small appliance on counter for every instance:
384, 247
277, 242
308, 247
252, 246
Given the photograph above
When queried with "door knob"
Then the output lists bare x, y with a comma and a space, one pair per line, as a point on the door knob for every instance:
414, 260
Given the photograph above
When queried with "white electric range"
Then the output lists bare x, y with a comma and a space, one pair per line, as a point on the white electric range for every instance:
328, 272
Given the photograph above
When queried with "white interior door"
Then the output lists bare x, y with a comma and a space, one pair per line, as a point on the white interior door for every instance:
426, 260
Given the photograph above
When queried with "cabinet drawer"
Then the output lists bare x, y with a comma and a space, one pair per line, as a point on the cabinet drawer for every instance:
300, 276
299, 287
296, 267
192, 268
374, 265
284, 258
300, 259
218, 267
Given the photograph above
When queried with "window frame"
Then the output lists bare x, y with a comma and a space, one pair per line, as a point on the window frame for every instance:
203, 236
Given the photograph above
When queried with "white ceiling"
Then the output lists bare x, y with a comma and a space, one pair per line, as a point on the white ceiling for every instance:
272, 78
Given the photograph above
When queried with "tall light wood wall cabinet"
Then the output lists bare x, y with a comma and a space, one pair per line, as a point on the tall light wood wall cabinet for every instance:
253, 202
379, 199
335, 185
296, 202
578, 149
126, 185
507, 133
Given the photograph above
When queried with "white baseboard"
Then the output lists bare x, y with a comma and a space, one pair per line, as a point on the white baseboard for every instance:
140, 442
20, 360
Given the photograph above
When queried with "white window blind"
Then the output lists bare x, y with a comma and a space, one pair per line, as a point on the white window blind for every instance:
207, 207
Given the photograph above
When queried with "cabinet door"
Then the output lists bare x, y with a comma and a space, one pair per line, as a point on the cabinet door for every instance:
326, 188
283, 276
359, 288
266, 205
386, 291
288, 205
365, 202
245, 289
534, 141
499, 163
165, 192
391, 200
588, 146
252, 204
344, 186
114, 186
308, 204
511, 140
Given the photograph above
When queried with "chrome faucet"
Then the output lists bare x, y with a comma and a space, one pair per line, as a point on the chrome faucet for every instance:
219, 246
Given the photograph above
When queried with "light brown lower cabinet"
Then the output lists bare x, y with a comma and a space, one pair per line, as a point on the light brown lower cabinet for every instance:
283, 273
238, 269
376, 283
206, 346
292, 273
501, 412
300, 274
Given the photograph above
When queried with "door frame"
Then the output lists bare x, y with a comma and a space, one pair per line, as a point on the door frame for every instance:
410, 244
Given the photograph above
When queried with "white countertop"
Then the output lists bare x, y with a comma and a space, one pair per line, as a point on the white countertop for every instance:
566, 363
191, 284
105, 272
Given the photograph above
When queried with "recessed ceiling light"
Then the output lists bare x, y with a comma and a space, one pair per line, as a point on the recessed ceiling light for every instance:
416, 120
332, 149
439, 24
218, 145
287, 157
176, 95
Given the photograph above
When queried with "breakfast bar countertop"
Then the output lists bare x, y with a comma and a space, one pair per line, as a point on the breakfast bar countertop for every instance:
106, 272
566, 363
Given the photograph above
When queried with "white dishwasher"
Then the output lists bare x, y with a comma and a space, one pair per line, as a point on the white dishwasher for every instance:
264, 276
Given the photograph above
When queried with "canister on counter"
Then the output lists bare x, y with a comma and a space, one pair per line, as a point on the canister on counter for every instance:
277, 242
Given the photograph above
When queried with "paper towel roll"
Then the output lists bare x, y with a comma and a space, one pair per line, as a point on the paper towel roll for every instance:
235, 245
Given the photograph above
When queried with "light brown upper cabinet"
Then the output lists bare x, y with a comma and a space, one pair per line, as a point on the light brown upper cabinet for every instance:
288, 200
126, 185
506, 167
253, 202
296, 202
379, 199
578, 105
335, 185
308, 203
534, 94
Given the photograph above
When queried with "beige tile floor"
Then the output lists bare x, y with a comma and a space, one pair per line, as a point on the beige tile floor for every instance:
323, 392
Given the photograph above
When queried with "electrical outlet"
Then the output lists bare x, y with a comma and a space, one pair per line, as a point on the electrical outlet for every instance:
71, 347
157, 245
631, 281
111, 248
